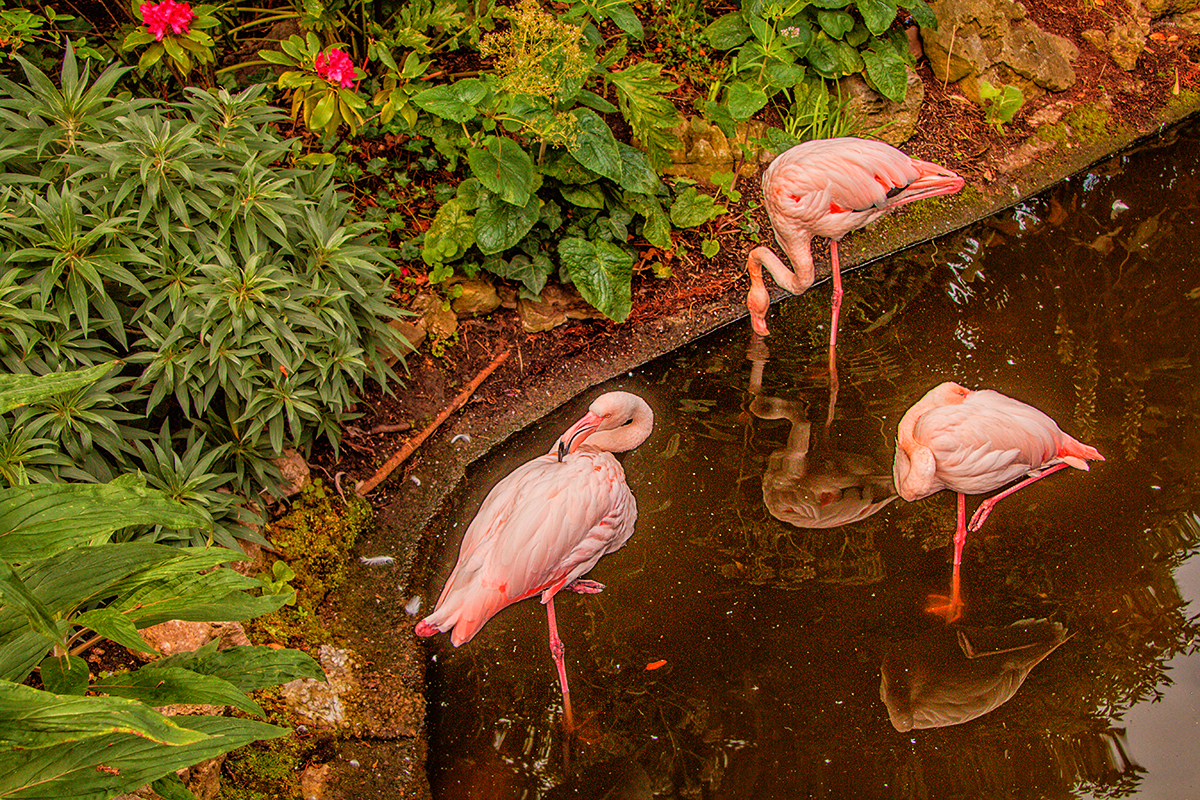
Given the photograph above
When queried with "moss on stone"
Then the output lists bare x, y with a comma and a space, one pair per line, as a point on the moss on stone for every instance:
1085, 124
315, 540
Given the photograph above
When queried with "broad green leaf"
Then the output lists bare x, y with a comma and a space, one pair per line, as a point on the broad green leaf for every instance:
323, 112
878, 14
596, 147
247, 667
154, 596
624, 18
64, 674
849, 60
103, 766
500, 225
887, 72
456, 102
692, 207
728, 31
590, 195
162, 686
531, 272
563, 167
636, 173
745, 100
782, 75
31, 718
836, 23
171, 787
450, 235
922, 14
657, 226
822, 57
504, 168
20, 390
38, 521
601, 272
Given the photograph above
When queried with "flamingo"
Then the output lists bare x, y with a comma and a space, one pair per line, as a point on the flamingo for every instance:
829, 187
545, 525
973, 442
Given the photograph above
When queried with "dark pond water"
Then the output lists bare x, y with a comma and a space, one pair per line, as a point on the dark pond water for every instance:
1082, 302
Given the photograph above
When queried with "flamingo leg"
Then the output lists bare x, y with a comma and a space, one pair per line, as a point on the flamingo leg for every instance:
833, 331
950, 608
985, 507
556, 652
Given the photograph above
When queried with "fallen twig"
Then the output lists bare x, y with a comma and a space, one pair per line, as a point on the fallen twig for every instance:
411, 445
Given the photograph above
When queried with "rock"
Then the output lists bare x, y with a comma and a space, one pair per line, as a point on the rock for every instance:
204, 779
1127, 39
412, 331
321, 702
313, 780
705, 149
296, 474
992, 40
894, 121
440, 322
178, 636
556, 305
478, 296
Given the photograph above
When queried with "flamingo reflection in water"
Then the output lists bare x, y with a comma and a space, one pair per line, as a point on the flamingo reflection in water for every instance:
973, 442
545, 525
956, 674
807, 483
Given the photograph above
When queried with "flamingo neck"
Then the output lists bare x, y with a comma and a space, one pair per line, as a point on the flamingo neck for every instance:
626, 437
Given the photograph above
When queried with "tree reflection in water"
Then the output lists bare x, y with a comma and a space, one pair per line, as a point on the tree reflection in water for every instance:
1082, 303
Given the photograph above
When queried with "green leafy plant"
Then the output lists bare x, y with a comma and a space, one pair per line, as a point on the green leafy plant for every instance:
1000, 104
182, 51
318, 98
66, 586
777, 46
239, 293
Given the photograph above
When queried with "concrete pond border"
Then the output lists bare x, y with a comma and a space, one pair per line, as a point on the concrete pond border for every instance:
379, 744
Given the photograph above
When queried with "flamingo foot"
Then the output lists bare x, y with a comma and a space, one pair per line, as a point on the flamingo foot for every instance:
948, 608
425, 629
581, 586
980, 515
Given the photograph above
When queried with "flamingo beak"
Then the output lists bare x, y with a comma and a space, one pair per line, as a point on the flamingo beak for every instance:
570, 441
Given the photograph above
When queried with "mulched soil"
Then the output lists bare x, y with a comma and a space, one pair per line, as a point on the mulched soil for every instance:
951, 131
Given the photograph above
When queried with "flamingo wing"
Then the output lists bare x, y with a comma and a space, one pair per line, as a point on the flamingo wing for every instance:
541, 527
986, 441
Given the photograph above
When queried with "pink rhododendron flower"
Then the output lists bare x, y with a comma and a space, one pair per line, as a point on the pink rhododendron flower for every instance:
336, 67
159, 16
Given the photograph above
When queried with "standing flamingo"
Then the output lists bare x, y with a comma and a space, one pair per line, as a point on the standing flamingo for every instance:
973, 442
545, 525
829, 187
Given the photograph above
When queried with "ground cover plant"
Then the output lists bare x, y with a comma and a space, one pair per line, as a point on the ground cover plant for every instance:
67, 584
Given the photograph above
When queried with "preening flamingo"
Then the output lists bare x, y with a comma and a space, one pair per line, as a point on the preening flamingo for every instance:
541, 528
829, 187
973, 442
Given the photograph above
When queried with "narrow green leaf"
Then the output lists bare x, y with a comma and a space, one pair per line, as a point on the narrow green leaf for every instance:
37, 521
100, 767
247, 667
31, 718
162, 686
